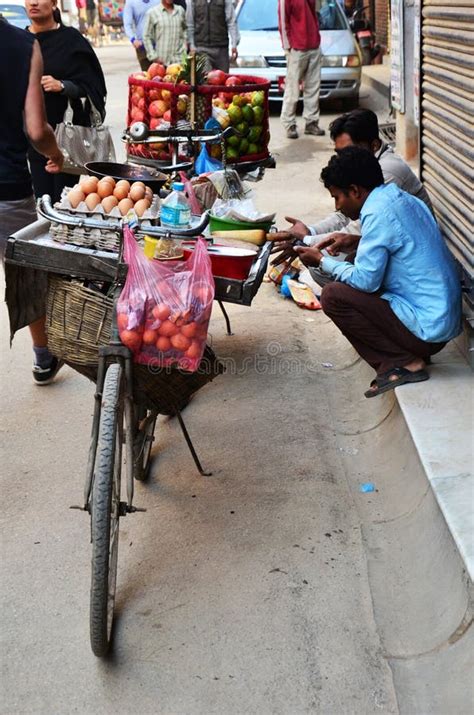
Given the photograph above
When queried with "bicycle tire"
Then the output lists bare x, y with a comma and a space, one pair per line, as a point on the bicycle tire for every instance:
105, 512
141, 467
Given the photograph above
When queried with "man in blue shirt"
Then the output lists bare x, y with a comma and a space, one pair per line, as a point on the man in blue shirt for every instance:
134, 14
400, 301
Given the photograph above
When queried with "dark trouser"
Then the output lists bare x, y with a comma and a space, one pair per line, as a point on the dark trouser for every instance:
217, 57
143, 60
372, 327
44, 183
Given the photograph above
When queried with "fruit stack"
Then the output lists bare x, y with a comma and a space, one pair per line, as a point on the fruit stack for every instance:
160, 98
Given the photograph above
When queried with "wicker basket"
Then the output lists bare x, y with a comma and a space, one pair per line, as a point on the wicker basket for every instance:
78, 320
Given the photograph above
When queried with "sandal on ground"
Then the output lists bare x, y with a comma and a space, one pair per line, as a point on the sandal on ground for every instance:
399, 375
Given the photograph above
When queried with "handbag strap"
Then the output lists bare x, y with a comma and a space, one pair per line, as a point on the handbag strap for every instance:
96, 118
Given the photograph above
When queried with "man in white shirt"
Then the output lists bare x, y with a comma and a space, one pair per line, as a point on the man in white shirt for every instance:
358, 128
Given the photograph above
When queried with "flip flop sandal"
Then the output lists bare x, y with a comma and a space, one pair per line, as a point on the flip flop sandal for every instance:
403, 376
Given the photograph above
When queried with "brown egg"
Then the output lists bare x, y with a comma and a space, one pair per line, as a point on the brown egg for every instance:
125, 183
75, 196
141, 206
105, 188
137, 191
125, 205
92, 201
121, 192
109, 203
109, 178
148, 194
89, 184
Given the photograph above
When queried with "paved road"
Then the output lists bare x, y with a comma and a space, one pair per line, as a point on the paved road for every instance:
244, 592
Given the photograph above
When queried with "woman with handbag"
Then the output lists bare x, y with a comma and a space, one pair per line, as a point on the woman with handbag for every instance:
72, 77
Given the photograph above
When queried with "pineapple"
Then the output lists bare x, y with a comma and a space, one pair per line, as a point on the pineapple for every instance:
202, 109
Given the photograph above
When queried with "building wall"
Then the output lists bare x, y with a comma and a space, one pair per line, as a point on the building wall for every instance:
382, 15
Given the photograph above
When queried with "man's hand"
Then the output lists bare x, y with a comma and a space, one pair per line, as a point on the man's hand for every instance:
55, 163
234, 54
50, 84
137, 44
337, 243
309, 255
297, 230
285, 251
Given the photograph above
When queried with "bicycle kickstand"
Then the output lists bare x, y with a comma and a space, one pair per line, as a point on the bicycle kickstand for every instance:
191, 446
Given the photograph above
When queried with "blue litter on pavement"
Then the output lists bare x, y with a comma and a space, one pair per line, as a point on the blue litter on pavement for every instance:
367, 487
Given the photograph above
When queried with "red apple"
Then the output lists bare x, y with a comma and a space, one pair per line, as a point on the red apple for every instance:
157, 108
216, 77
156, 70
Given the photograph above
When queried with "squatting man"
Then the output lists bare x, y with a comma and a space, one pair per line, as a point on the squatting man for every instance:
399, 301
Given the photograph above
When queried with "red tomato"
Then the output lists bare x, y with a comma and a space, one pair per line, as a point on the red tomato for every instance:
131, 339
167, 328
149, 337
163, 344
161, 311
180, 342
190, 330
194, 351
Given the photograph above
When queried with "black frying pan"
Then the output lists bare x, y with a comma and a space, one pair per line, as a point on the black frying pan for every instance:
126, 171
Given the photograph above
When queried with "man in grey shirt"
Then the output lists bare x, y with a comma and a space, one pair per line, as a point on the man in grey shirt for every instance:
359, 128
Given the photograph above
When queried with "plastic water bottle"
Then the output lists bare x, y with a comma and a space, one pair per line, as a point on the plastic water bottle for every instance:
175, 209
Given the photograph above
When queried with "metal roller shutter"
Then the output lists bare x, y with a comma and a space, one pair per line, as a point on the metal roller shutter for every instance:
447, 121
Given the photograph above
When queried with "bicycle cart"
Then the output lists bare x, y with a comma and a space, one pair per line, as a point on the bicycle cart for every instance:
128, 397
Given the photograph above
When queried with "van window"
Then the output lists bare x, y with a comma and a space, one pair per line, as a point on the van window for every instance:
263, 15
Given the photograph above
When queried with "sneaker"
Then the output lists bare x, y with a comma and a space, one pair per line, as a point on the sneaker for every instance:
292, 132
45, 375
314, 129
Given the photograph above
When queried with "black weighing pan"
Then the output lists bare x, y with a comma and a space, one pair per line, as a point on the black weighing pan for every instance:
128, 172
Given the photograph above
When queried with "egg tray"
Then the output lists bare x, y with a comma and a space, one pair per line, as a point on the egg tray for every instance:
101, 239
151, 215
105, 239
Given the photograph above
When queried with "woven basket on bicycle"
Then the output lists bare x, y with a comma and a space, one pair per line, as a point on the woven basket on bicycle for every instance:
78, 322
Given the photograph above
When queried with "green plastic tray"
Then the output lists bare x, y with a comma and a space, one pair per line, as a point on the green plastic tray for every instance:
222, 224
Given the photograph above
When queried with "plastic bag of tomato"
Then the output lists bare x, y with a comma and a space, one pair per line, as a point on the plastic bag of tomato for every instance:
164, 309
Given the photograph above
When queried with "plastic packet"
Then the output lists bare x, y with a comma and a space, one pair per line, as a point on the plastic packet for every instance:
164, 309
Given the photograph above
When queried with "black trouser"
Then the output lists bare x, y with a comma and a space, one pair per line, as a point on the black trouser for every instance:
44, 183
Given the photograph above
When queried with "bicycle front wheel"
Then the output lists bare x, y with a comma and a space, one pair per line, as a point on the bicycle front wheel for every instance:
105, 511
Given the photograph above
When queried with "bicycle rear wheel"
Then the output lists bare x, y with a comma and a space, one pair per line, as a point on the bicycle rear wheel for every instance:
105, 511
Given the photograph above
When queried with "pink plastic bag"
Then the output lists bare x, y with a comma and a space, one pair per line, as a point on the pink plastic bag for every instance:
164, 309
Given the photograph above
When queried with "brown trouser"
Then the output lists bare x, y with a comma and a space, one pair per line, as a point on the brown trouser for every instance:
369, 323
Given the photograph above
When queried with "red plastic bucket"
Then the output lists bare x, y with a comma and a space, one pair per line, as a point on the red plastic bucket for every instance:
228, 262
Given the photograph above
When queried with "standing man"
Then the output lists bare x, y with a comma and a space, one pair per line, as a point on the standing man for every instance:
210, 23
21, 70
164, 34
299, 31
134, 14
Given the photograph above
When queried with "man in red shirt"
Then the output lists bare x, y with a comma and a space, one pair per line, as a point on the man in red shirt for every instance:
299, 31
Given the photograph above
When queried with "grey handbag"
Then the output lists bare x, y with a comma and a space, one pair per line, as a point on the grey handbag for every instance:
83, 144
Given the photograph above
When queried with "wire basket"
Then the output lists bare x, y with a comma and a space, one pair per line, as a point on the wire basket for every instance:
78, 320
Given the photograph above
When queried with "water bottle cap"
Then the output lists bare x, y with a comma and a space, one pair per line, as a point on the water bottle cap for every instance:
177, 186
